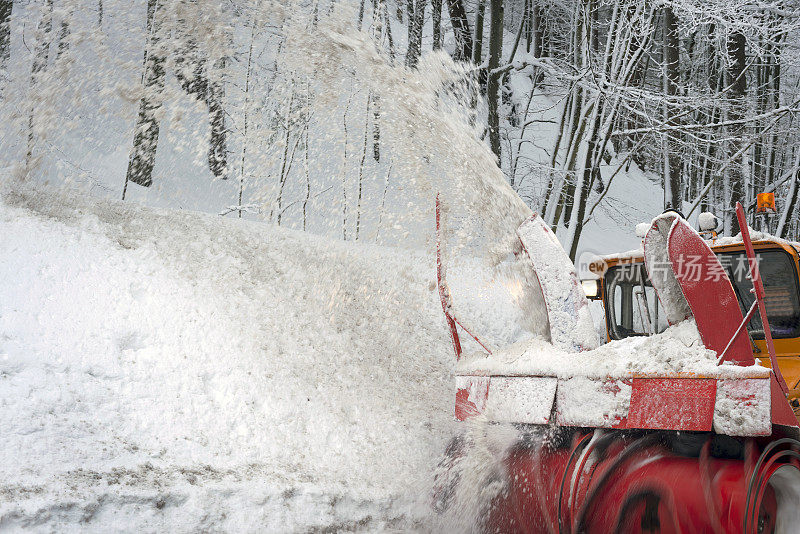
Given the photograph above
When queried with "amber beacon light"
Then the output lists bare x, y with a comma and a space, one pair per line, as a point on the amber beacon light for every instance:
765, 203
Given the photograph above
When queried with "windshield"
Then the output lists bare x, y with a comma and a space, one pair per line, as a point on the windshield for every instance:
780, 291
632, 308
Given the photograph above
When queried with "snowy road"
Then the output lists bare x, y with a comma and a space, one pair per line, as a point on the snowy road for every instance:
175, 371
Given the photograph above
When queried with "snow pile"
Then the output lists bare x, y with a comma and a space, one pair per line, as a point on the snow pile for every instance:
172, 371
678, 349
755, 235
742, 408
585, 402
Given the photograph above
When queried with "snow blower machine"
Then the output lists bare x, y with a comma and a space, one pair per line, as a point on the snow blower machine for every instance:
673, 429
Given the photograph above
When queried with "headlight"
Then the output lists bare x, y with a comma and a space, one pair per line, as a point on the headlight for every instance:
591, 288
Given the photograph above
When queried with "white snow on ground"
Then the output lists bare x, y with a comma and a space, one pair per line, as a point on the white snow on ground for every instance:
182, 372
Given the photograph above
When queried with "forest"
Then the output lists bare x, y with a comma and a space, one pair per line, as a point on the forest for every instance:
298, 110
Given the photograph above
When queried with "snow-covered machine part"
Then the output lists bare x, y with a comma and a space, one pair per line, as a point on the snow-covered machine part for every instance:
571, 325
659, 268
693, 281
667, 381
676, 432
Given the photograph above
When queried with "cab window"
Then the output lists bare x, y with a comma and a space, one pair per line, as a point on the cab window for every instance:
781, 296
632, 306
633, 309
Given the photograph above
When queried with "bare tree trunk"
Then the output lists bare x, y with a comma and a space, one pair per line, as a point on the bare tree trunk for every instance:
100, 13
537, 30
672, 161
217, 149
145, 137
40, 60
386, 28
204, 80
563, 186
493, 85
306, 166
477, 50
344, 174
737, 83
535, 36
6, 7
436, 19
409, 26
415, 23
376, 128
361, 14
43, 39
791, 201
64, 32
527, 16
246, 114
460, 24
381, 31
774, 99
361, 168
767, 88
553, 189
288, 155
383, 202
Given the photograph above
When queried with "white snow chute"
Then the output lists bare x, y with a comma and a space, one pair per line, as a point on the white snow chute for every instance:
567, 308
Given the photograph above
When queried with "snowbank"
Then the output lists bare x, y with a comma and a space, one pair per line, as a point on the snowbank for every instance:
180, 372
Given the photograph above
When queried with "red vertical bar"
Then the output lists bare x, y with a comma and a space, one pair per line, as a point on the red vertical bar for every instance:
755, 276
441, 283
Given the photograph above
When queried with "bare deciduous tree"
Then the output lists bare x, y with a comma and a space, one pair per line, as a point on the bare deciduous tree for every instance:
6, 7
493, 83
145, 137
462, 34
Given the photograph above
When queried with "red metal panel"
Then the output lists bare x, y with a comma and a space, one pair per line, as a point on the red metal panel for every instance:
672, 403
782, 413
441, 283
471, 395
709, 293
464, 408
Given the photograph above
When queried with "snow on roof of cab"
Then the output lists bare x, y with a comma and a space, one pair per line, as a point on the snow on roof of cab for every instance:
755, 236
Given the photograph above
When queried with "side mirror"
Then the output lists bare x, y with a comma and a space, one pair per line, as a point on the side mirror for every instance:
592, 288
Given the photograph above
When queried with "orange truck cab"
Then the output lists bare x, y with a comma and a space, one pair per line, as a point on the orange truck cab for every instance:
633, 309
